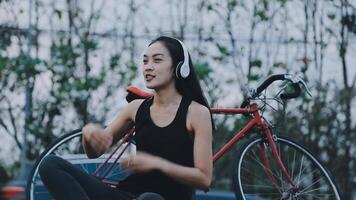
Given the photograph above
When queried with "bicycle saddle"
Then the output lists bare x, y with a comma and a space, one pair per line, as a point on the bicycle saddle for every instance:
135, 93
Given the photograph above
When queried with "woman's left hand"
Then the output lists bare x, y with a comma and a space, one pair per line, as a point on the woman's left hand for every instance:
141, 162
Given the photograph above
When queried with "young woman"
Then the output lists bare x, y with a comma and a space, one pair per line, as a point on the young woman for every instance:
173, 137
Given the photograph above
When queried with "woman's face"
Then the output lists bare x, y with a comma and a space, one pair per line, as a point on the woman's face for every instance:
157, 66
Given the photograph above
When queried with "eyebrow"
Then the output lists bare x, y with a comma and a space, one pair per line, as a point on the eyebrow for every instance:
154, 55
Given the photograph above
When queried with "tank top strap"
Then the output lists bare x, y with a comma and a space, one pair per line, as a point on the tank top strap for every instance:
182, 111
142, 114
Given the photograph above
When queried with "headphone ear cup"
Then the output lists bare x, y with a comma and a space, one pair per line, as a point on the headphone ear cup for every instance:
179, 66
184, 70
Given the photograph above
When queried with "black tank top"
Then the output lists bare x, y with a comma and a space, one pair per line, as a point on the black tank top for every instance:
172, 142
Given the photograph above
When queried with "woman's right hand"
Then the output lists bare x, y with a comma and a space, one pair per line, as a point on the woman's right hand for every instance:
95, 140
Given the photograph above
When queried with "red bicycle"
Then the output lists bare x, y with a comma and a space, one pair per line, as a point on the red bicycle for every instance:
266, 166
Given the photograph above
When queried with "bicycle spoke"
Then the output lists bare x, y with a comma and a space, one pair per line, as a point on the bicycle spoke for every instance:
294, 158
256, 159
283, 182
266, 193
315, 196
311, 186
278, 172
309, 191
259, 186
311, 181
300, 171
248, 171
312, 172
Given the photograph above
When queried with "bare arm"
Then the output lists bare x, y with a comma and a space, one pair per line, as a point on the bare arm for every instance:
96, 140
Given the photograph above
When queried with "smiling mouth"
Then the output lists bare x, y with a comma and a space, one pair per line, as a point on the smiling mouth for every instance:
149, 77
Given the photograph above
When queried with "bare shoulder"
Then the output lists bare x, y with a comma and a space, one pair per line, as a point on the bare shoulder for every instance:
132, 108
135, 103
198, 110
198, 116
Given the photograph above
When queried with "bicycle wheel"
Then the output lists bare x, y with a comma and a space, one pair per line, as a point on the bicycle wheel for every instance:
251, 179
69, 148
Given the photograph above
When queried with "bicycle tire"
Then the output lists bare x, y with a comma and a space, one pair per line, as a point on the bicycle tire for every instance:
250, 179
69, 148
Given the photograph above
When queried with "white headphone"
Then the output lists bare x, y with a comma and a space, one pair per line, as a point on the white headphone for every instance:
183, 70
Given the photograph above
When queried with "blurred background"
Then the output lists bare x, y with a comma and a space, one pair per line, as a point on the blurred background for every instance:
65, 63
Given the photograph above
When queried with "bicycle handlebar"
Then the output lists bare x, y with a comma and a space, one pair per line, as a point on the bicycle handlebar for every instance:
267, 82
292, 95
295, 80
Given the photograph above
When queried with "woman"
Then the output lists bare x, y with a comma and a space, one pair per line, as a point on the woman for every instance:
173, 136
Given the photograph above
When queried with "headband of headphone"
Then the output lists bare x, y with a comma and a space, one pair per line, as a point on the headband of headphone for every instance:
183, 70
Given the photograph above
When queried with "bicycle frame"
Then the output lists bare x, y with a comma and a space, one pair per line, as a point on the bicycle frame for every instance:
256, 121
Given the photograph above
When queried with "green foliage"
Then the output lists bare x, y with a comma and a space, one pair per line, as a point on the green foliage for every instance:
202, 69
129, 72
114, 61
256, 63
261, 14
22, 66
223, 50
87, 44
253, 77
5, 40
231, 4
63, 54
71, 84
3, 63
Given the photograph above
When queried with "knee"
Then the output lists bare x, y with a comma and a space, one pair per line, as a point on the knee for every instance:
150, 196
48, 165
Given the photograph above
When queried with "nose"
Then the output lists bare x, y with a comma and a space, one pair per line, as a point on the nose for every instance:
148, 67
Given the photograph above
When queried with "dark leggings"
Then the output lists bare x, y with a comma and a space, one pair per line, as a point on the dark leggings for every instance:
65, 181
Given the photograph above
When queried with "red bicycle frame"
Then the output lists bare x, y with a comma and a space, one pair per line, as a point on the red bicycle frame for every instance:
256, 121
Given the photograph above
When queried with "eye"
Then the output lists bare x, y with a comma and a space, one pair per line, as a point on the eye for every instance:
144, 61
157, 60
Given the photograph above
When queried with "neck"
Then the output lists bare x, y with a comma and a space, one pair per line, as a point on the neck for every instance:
167, 96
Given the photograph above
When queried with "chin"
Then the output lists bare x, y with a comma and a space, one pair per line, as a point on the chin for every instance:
150, 86
154, 86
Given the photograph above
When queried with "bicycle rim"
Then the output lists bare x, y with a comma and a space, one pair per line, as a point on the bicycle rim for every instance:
251, 179
69, 148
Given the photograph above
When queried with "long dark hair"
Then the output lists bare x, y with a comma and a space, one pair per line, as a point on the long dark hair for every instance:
190, 86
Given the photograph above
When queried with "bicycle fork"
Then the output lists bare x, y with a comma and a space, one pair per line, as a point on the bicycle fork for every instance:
272, 145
